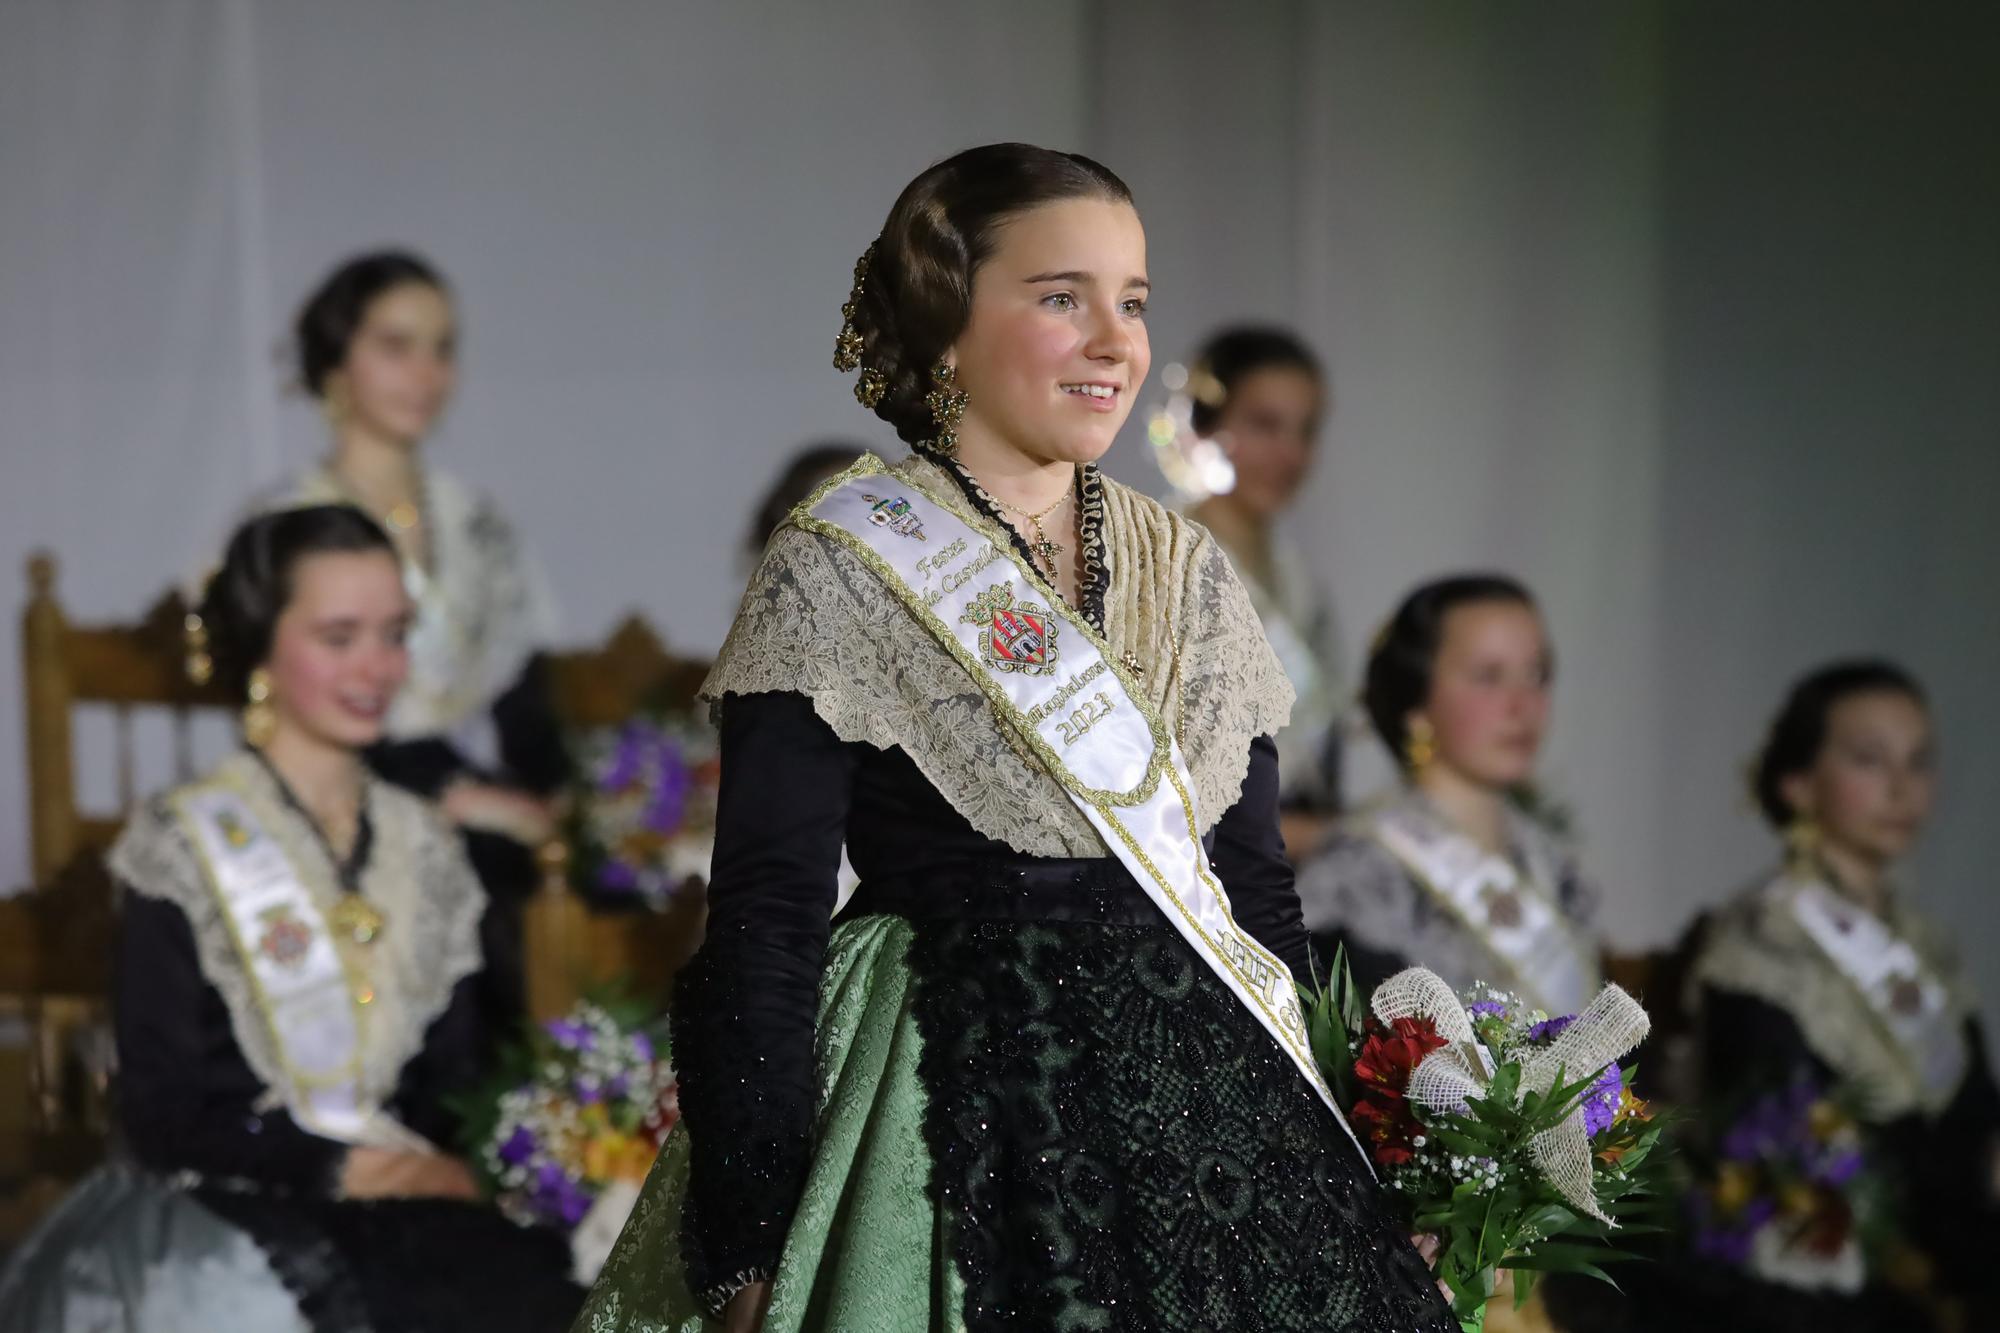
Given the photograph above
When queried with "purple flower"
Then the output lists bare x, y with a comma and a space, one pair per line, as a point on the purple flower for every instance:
560, 1199
1600, 1104
570, 1036
1839, 1169
1487, 1009
587, 1091
642, 1046
621, 876
1550, 1028
672, 783
1730, 1243
519, 1147
630, 757
618, 1087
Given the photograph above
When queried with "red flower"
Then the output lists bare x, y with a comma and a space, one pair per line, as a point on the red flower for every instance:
1389, 1127
1388, 1057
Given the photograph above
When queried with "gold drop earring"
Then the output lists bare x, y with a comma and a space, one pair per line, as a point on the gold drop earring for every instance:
260, 719
1420, 746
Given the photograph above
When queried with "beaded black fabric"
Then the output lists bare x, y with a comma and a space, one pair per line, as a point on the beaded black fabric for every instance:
1121, 1147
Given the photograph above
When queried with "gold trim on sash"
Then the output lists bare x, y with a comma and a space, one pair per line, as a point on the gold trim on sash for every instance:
1924, 1039
302, 984
1406, 846
1255, 973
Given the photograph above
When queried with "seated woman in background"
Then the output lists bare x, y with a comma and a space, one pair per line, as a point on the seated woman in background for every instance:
377, 346
1824, 981
1450, 871
1259, 392
295, 1002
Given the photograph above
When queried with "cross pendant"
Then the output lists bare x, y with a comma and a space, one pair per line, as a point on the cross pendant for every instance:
1047, 549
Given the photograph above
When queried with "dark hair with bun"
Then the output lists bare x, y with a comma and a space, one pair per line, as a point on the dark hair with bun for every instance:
1798, 733
1404, 658
240, 608
917, 294
333, 314
1233, 354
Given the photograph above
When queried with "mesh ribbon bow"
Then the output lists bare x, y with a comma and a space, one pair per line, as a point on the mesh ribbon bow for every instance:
1605, 1031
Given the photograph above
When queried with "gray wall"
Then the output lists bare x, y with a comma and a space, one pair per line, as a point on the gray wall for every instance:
1684, 312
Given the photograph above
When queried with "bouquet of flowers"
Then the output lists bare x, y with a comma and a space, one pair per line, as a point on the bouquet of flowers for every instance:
642, 818
1511, 1136
565, 1135
1790, 1197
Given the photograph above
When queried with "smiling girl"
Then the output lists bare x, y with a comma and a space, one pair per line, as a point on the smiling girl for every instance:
1044, 1071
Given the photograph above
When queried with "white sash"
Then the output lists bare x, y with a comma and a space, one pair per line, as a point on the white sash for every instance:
1506, 911
1053, 682
300, 985
1910, 1001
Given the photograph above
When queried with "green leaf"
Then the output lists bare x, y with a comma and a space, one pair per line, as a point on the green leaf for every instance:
1537, 1263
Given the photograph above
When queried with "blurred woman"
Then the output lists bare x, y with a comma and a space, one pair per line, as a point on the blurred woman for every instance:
1260, 393
377, 346
1824, 985
1450, 870
296, 1005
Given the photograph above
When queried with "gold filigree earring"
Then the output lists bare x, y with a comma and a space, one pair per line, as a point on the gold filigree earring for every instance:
947, 404
1802, 839
1420, 745
260, 719
847, 344
197, 659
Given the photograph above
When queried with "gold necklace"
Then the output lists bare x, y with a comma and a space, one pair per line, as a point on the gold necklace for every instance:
1040, 546
402, 519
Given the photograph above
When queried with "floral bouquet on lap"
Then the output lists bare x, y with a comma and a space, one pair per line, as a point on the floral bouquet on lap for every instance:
1511, 1136
1790, 1197
565, 1135
642, 817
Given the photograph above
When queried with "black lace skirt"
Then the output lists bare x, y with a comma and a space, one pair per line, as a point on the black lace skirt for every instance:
1118, 1143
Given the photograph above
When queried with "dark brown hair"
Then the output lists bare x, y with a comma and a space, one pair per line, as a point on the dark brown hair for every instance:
1798, 733
334, 313
1404, 659
918, 292
1231, 355
243, 601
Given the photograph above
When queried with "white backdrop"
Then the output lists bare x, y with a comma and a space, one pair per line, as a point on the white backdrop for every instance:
1686, 313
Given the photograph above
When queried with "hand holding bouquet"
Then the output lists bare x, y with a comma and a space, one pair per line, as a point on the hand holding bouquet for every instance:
1509, 1135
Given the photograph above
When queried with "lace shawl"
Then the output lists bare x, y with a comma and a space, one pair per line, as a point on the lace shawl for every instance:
417, 875
482, 611
817, 621
1360, 888
1756, 946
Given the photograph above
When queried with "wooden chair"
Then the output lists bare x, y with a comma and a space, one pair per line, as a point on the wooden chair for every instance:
55, 939
570, 947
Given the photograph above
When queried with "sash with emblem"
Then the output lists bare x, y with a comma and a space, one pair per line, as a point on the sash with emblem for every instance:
1054, 685
1515, 920
300, 983
1905, 996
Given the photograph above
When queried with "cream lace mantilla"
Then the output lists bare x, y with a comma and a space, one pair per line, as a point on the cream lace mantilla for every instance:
417, 875
482, 611
817, 621
1758, 947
